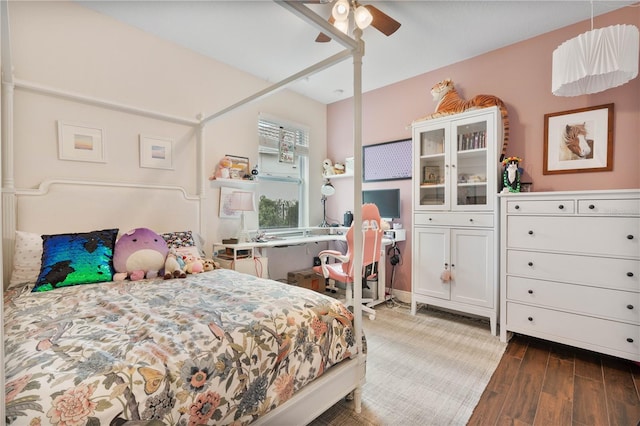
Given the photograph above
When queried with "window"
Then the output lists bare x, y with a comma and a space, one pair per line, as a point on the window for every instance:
282, 164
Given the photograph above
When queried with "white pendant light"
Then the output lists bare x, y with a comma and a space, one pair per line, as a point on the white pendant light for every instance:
595, 61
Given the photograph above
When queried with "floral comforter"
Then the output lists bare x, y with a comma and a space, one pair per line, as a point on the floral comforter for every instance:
216, 348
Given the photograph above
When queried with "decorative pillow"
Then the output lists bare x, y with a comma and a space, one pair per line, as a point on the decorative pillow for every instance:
184, 239
27, 255
179, 239
71, 259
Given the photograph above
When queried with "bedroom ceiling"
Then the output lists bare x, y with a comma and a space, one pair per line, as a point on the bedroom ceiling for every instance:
268, 41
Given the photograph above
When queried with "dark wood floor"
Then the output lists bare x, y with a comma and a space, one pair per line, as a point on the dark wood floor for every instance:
543, 383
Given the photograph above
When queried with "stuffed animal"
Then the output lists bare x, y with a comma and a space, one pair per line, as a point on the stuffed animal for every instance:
139, 253
327, 168
174, 266
209, 265
223, 168
193, 264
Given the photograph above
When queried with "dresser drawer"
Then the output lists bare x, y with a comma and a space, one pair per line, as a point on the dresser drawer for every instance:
454, 219
593, 301
621, 274
629, 207
598, 334
541, 207
614, 236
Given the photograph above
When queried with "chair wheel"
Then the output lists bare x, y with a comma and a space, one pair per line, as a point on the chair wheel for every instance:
333, 291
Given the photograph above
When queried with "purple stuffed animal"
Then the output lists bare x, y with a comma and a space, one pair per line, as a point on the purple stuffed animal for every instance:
139, 253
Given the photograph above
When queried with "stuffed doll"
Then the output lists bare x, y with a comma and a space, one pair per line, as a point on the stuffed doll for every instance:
327, 168
174, 266
139, 253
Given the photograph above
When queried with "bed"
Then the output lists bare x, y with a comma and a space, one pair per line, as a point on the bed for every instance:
134, 351
219, 347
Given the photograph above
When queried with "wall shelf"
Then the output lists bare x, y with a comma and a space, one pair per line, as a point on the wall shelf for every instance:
343, 175
234, 183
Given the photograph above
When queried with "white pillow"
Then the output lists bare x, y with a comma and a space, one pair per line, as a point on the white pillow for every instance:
27, 258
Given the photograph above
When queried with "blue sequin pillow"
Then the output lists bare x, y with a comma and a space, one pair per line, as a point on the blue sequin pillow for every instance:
72, 259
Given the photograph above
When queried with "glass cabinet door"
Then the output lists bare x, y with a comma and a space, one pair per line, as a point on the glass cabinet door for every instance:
469, 167
433, 177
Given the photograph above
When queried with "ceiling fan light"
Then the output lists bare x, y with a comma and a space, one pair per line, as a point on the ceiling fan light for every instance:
363, 17
342, 26
340, 11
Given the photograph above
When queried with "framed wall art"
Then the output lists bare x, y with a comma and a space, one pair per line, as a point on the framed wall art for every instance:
156, 153
78, 142
387, 161
580, 140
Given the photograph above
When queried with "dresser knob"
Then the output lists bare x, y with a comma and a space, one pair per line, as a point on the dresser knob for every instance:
629, 274
561, 206
470, 220
530, 291
591, 206
629, 339
517, 207
530, 263
530, 232
530, 318
629, 237
629, 306
430, 219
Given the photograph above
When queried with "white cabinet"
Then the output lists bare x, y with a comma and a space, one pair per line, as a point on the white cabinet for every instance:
570, 269
455, 182
455, 161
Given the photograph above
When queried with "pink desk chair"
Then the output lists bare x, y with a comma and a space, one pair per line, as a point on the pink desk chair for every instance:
342, 270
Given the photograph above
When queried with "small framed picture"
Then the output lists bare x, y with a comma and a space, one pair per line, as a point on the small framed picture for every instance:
156, 153
78, 142
431, 175
580, 140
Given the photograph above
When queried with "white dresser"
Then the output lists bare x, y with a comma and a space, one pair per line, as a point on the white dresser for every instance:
570, 268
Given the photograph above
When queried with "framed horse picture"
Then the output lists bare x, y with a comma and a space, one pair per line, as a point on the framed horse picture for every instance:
580, 140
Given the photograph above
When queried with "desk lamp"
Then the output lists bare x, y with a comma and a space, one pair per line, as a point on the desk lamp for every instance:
242, 201
327, 190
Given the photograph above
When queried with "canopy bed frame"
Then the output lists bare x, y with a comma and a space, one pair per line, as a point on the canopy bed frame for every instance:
54, 195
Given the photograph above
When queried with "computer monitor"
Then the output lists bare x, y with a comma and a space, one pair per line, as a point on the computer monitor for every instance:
387, 201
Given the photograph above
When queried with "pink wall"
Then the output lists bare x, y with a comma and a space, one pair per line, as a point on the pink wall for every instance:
520, 75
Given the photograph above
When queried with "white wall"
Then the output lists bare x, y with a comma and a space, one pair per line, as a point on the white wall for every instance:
65, 46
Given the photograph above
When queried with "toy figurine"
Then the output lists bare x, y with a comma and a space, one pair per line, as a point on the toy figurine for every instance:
511, 174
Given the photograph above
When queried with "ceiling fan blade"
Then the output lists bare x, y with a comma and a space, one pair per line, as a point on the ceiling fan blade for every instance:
322, 37
383, 22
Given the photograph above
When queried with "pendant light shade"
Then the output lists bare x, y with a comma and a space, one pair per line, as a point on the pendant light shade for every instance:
595, 61
340, 11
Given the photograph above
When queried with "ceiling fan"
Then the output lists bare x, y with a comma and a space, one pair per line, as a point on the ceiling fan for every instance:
364, 15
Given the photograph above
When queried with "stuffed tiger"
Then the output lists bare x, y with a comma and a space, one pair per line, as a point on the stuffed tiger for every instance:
449, 102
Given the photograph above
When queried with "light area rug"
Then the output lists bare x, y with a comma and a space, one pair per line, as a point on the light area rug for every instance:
427, 369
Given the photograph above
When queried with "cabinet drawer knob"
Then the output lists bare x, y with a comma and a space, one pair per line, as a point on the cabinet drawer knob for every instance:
629, 339
430, 219
530, 232
591, 206
530, 291
629, 306
517, 207
530, 263
561, 206
629, 274
530, 318
471, 220
629, 237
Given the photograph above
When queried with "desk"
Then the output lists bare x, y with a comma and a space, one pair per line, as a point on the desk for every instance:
245, 257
